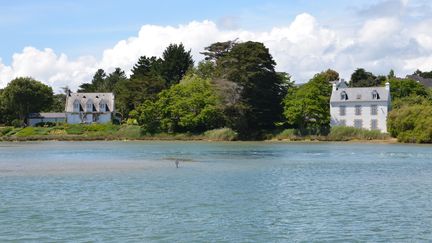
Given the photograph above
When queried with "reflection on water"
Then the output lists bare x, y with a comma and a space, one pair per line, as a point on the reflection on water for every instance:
222, 192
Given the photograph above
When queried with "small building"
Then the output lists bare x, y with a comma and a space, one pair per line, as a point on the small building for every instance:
89, 108
34, 118
360, 107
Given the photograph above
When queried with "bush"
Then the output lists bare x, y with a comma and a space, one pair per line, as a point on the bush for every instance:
288, 134
17, 123
411, 124
342, 133
45, 124
5, 130
32, 131
221, 134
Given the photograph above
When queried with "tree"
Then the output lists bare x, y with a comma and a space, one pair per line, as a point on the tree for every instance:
144, 84
391, 74
58, 105
190, 106
400, 88
411, 123
361, 78
176, 62
218, 50
307, 107
330, 75
96, 85
262, 89
146, 66
26, 95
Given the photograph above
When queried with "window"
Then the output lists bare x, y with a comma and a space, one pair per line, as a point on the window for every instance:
102, 107
358, 110
358, 123
358, 96
76, 106
374, 109
344, 95
374, 124
342, 110
342, 123
375, 95
89, 107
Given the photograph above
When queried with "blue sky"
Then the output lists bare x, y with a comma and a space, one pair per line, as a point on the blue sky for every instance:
87, 27
64, 42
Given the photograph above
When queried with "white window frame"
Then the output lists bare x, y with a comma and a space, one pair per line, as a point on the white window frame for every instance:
358, 110
342, 110
374, 110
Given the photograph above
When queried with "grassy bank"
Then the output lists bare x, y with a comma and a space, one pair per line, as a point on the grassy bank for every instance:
336, 134
67, 132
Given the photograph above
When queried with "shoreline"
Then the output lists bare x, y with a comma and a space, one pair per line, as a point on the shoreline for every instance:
189, 139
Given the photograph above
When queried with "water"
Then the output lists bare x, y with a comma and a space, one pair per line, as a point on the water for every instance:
222, 192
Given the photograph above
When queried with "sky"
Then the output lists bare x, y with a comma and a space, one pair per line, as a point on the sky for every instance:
63, 43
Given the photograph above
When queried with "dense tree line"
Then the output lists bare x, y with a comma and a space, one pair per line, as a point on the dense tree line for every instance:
236, 86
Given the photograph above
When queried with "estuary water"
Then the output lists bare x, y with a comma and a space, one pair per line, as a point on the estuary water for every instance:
221, 192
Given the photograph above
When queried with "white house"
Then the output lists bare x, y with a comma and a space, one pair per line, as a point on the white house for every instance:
360, 107
36, 118
89, 107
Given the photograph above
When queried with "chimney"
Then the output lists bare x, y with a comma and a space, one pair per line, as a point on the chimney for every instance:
387, 86
334, 86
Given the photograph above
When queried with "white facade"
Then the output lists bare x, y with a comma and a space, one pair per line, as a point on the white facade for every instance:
89, 108
360, 107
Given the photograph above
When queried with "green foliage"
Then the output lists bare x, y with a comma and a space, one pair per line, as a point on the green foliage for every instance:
5, 130
261, 88
58, 104
307, 107
290, 134
411, 124
32, 131
221, 134
361, 78
103, 83
217, 50
342, 133
25, 95
400, 88
189, 106
176, 62
423, 74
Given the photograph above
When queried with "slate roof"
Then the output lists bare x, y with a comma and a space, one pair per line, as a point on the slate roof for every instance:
47, 115
95, 98
360, 94
425, 81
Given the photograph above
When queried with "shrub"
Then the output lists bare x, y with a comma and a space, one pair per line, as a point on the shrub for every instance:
288, 134
411, 124
32, 131
5, 130
342, 133
221, 134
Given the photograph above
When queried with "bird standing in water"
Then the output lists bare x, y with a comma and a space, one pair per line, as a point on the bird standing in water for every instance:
177, 163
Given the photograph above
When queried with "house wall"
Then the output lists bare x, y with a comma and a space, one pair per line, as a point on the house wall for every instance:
34, 121
365, 116
82, 117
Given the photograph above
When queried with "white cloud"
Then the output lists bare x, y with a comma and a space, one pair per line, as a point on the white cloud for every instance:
301, 48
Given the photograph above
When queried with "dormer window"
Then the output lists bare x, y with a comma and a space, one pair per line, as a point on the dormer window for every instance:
76, 106
344, 95
89, 106
375, 95
102, 107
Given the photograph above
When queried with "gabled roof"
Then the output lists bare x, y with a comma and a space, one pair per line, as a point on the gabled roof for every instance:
425, 81
96, 98
360, 94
